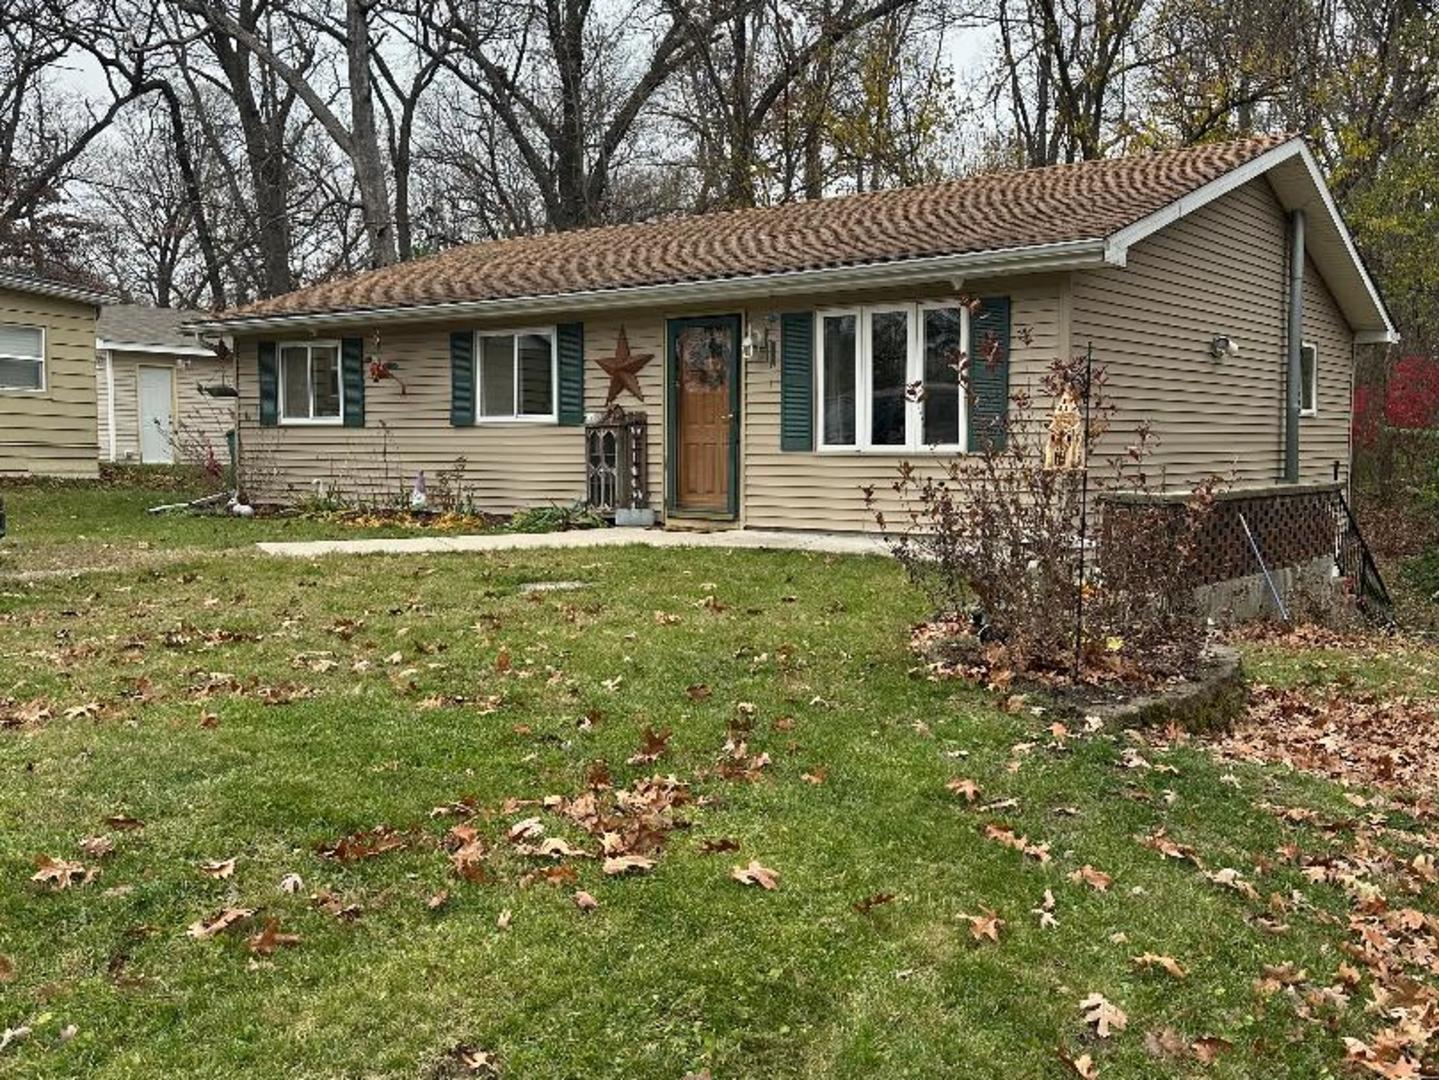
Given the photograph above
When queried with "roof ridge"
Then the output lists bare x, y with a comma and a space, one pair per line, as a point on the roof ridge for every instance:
985, 211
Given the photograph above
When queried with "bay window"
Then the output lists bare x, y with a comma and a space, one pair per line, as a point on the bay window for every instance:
310, 383
889, 377
516, 375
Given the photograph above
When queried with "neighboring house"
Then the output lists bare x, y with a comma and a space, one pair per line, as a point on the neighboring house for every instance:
771, 348
148, 379
47, 384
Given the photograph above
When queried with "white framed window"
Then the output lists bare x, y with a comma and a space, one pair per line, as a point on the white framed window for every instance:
1308, 379
888, 377
516, 376
310, 390
22, 358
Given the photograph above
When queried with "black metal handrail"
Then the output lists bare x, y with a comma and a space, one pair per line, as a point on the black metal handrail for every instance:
1355, 560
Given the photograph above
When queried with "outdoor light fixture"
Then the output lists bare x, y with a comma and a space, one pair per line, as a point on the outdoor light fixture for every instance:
1222, 348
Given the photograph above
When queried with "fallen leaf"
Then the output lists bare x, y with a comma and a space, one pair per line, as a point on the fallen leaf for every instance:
1102, 1015
1168, 963
7, 969
526, 830
438, 900
1083, 1065
652, 745
627, 864
1097, 880
292, 883
1209, 1047
984, 926
715, 847
208, 928
61, 873
506, 917
585, 902
816, 777
966, 787
869, 903
97, 847
218, 868
1164, 1043
124, 822
755, 874
269, 939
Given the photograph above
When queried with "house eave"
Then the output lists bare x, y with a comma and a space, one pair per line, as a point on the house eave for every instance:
1069, 255
155, 348
54, 289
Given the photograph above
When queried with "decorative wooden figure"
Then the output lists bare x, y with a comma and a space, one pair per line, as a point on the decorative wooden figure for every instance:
1064, 449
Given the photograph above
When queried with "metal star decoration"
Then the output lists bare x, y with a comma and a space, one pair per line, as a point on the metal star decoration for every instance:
622, 369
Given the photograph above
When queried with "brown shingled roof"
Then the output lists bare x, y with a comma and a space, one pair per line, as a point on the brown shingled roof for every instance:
989, 212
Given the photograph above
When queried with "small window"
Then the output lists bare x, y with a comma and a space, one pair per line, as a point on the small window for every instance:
889, 377
516, 376
22, 358
1308, 380
310, 383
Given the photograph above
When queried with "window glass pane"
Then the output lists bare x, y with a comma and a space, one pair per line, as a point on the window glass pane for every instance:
20, 341
942, 355
20, 374
536, 385
838, 406
497, 376
296, 389
325, 373
889, 355
1306, 377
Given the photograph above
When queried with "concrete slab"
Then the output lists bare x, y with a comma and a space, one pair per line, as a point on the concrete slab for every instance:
764, 539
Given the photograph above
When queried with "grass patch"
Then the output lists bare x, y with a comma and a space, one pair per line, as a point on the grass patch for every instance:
259, 709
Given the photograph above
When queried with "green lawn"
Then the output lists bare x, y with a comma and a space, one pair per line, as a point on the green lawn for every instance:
259, 710
66, 527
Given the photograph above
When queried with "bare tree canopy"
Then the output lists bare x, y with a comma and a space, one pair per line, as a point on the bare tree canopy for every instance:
209, 152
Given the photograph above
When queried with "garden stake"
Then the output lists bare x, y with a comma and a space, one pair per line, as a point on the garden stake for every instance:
1083, 515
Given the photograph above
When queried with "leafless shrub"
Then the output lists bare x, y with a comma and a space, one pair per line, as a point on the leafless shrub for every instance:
1004, 545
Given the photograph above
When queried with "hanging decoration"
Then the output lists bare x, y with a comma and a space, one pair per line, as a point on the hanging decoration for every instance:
1064, 449
623, 368
381, 369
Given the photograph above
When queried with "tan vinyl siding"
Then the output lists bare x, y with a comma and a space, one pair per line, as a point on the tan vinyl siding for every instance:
1219, 272
506, 465
1324, 438
52, 432
795, 490
200, 421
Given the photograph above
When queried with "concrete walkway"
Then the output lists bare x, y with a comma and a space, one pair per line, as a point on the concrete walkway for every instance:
828, 543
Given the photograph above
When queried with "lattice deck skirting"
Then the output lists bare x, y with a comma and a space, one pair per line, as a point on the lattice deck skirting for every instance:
1293, 525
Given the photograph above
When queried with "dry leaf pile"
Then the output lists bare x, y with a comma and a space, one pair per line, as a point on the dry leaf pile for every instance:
1352, 737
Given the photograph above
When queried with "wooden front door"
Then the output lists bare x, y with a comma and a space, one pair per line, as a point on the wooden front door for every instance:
704, 415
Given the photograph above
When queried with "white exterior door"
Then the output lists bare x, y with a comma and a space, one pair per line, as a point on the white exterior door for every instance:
157, 420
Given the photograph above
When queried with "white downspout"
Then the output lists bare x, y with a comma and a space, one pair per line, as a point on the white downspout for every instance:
110, 399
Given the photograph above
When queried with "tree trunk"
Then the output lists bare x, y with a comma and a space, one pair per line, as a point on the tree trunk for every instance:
365, 140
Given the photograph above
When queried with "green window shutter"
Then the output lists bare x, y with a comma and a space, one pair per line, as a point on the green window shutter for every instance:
462, 378
989, 374
796, 381
269, 367
352, 380
570, 345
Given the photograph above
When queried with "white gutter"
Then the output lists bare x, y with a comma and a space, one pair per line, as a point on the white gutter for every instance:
150, 347
110, 398
1068, 255
57, 289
